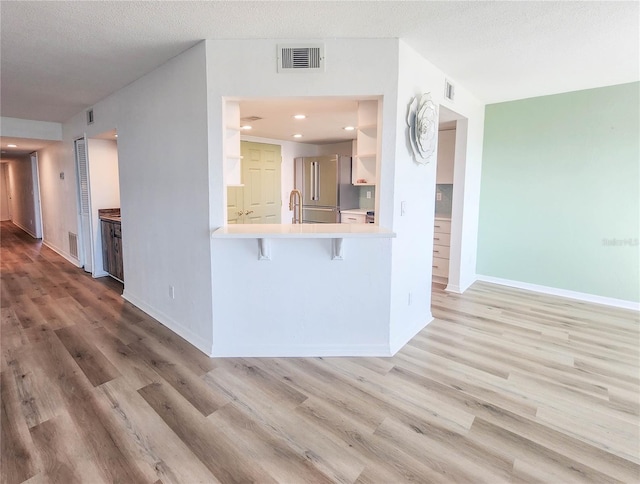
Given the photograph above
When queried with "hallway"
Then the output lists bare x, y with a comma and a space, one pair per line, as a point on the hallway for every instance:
503, 386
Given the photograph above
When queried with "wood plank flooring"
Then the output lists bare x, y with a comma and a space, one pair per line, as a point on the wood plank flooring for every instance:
503, 386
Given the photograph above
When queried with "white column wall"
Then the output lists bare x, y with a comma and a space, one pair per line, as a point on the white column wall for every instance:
415, 186
162, 148
262, 305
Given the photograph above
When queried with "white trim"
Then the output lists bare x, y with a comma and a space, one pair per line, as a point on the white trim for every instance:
406, 336
98, 274
24, 229
303, 351
61, 253
580, 296
185, 333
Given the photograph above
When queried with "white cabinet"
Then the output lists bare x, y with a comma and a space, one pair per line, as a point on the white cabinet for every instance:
365, 160
441, 241
353, 216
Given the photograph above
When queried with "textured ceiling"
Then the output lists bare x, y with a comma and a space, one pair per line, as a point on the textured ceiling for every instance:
59, 57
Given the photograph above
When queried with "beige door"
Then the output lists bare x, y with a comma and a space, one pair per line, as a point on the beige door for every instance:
261, 167
235, 204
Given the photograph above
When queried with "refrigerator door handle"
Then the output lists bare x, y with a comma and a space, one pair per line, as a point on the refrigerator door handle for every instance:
312, 180
317, 177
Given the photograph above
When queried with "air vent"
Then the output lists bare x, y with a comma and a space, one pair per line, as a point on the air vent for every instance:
301, 58
449, 90
90, 116
250, 119
73, 245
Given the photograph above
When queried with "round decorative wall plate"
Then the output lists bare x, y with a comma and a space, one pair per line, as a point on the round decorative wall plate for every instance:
422, 119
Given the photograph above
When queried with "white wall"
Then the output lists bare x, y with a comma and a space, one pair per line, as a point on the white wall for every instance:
21, 187
27, 128
58, 197
344, 148
301, 303
414, 185
5, 209
446, 154
105, 190
289, 151
163, 175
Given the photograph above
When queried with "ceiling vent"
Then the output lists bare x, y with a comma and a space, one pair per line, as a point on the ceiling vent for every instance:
449, 90
300, 58
90, 116
250, 119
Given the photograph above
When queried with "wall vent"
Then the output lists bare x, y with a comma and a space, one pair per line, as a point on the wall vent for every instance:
73, 244
90, 116
300, 58
449, 90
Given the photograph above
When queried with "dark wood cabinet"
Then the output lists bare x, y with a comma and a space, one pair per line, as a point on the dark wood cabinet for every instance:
112, 249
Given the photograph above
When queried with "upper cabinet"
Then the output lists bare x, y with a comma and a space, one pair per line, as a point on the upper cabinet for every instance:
365, 160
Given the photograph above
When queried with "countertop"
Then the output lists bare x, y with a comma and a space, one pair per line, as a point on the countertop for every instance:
110, 215
360, 211
302, 231
448, 219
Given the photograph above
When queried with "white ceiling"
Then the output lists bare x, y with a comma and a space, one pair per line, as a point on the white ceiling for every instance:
60, 57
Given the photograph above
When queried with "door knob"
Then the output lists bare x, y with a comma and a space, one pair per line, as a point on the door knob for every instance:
248, 212
240, 212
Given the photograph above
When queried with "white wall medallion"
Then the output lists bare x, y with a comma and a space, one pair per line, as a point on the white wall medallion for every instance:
422, 119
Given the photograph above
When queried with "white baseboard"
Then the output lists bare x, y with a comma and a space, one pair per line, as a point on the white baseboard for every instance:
580, 296
61, 253
24, 229
185, 333
302, 351
406, 335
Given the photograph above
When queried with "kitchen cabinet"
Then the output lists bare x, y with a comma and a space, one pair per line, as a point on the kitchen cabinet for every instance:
112, 248
353, 217
365, 160
441, 247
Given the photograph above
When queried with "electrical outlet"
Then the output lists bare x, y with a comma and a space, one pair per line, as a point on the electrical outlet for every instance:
438, 196
403, 208
368, 193
172, 292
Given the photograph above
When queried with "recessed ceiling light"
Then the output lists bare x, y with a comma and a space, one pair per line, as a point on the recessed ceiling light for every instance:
299, 116
246, 127
348, 128
12, 146
297, 136
115, 135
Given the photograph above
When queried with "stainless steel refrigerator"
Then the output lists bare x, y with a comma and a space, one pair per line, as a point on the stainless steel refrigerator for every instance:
325, 183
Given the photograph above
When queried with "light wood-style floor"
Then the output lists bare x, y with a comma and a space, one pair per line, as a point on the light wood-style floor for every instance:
504, 386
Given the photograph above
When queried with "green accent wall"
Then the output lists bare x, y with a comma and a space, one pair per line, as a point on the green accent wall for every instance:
560, 198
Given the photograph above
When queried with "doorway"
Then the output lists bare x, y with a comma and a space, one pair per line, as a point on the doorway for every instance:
449, 193
98, 188
258, 199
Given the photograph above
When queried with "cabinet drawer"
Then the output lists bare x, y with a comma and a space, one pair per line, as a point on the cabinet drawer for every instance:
441, 239
441, 251
442, 226
440, 267
353, 218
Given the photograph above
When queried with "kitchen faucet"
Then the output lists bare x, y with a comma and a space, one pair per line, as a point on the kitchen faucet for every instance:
295, 201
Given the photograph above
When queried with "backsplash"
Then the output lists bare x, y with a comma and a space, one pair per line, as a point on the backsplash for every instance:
444, 198
367, 203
